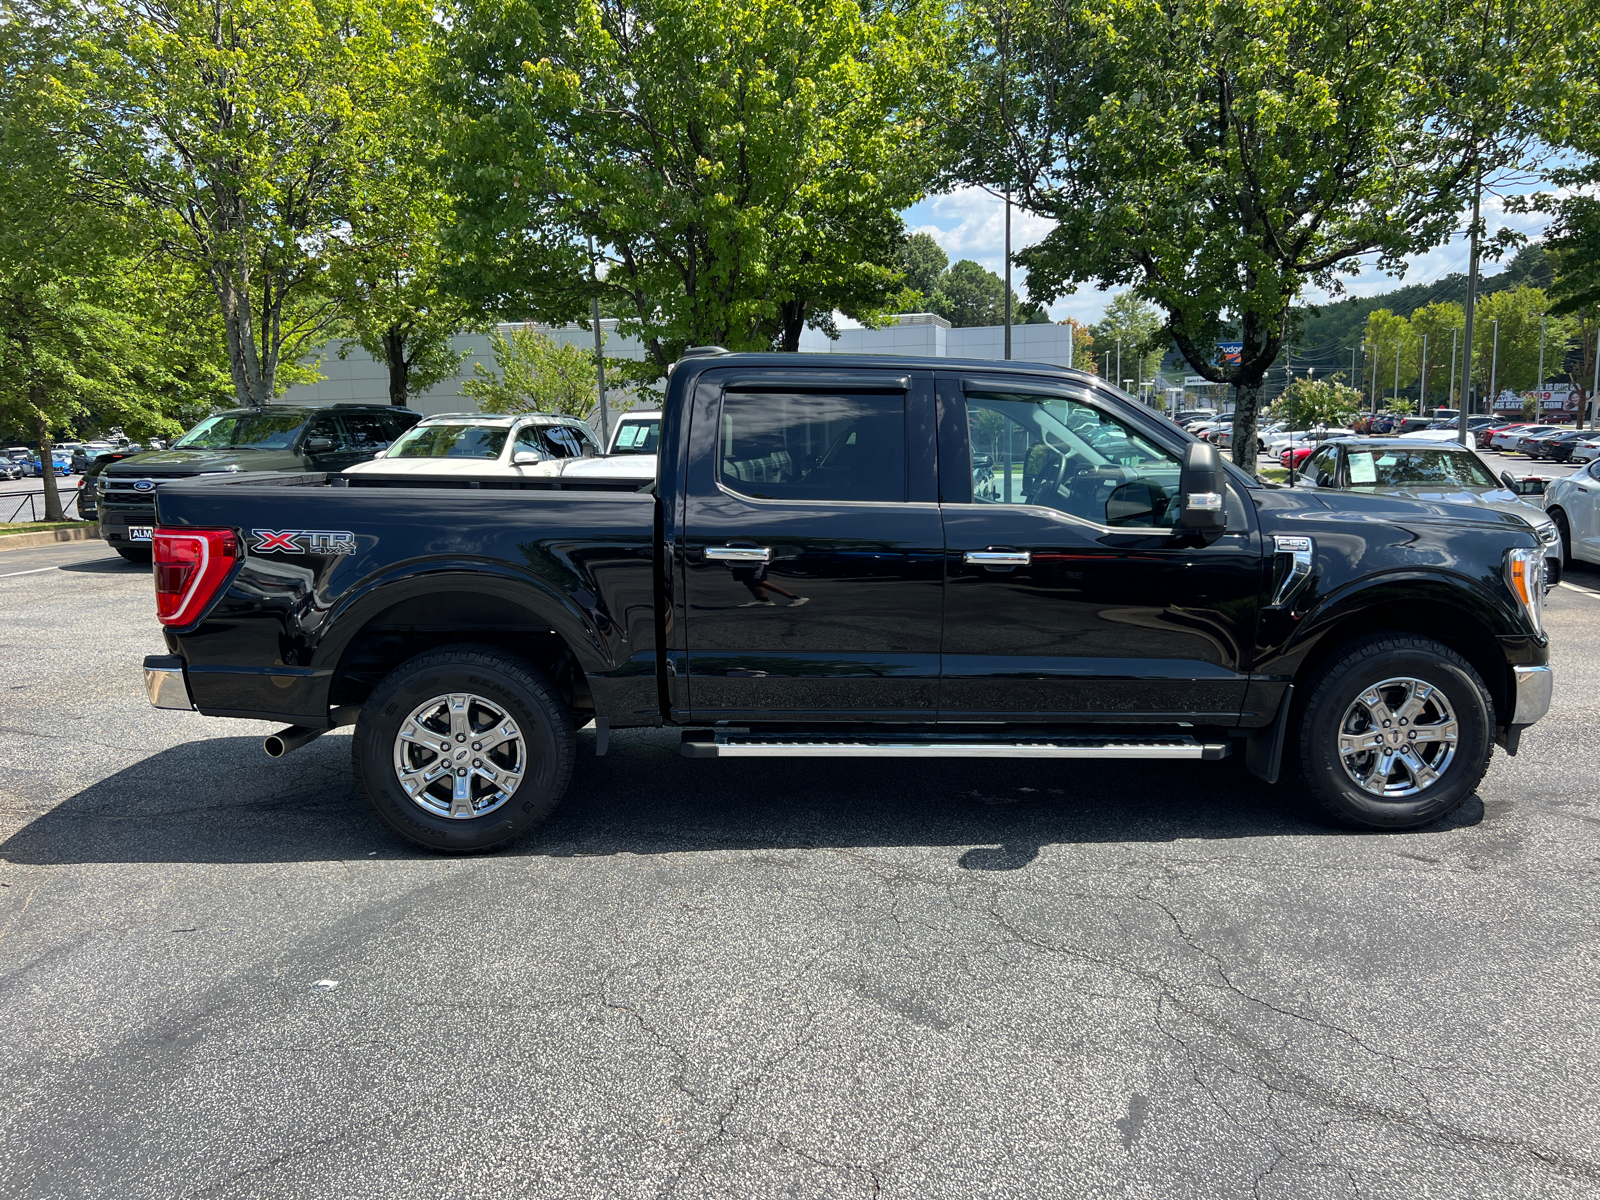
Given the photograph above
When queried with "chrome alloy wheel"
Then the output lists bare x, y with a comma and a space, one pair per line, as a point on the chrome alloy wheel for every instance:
459, 756
1397, 738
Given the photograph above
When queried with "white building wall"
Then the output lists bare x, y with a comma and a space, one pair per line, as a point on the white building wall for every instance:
358, 379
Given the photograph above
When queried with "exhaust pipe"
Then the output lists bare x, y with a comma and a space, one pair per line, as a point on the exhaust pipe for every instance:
278, 744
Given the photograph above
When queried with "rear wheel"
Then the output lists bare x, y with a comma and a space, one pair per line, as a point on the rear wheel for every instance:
464, 749
1396, 732
1564, 528
135, 554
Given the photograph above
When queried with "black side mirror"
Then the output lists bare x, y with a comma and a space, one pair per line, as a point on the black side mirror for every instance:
318, 445
1201, 490
1137, 503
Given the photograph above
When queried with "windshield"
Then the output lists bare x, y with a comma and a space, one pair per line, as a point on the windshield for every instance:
243, 431
451, 441
638, 437
1407, 468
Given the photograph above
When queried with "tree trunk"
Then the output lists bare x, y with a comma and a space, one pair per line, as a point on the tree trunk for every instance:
394, 353
792, 322
52, 494
1246, 405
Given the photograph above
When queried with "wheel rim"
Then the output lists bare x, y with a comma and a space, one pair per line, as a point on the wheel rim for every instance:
459, 756
1398, 738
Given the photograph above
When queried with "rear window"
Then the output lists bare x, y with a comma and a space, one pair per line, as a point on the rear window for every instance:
451, 441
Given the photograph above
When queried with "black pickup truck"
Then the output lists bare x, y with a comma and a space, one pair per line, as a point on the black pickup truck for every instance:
858, 556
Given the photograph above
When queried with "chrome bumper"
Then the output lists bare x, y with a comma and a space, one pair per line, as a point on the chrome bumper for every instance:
164, 681
1534, 685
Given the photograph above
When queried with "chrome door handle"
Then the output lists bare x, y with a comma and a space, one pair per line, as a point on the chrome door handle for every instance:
739, 554
999, 558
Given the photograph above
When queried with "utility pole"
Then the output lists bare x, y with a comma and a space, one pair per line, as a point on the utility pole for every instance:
599, 354
1450, 396
1375, 357
1595, 391
1352, 364
1494, 364
1472, 305
1119, 362
1008, 274
1542, 320
1396, 397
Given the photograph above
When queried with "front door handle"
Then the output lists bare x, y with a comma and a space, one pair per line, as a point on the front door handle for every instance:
739, 554
999, 558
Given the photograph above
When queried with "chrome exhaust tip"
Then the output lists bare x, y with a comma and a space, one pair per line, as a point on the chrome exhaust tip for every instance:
278, 744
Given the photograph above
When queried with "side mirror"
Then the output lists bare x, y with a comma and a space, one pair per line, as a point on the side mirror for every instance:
1137, 503
1201, 490
381, 454
318, 445
525, 458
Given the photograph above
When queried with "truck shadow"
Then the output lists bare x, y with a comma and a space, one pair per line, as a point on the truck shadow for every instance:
221, 800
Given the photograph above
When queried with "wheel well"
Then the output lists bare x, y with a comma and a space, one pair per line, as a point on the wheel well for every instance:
1459, 630
424, 623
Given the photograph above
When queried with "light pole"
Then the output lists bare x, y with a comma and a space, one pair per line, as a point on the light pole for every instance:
1450, 396
1422, 380
1375, 357
1008, 271
1542, 320
599, 344
1472, 305
1395, 399
1494, 365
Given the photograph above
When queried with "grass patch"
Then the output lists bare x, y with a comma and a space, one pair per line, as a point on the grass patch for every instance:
1273, 474
38, 526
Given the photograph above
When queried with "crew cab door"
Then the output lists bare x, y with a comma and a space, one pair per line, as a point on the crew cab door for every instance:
1070, 595
812, 547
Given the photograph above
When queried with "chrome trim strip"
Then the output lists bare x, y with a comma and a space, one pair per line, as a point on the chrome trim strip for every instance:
1534, 688
999, 558
739, 554
1299, 550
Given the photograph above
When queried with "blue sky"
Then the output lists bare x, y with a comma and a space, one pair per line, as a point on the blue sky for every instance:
970, 223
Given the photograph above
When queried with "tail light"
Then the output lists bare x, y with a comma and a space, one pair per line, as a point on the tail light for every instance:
191, 564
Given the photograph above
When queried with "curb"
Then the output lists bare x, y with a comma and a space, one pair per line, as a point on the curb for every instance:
48, 537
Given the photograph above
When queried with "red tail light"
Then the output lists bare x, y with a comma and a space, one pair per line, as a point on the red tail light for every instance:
190, 566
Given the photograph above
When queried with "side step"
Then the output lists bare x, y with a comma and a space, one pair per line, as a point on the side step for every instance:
721, 744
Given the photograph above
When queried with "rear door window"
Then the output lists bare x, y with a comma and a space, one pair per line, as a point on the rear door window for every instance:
814, 446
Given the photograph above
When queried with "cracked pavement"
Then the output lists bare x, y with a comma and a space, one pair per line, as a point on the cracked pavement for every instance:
722, 979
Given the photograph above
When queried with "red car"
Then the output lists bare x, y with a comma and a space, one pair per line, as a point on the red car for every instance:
1299, 453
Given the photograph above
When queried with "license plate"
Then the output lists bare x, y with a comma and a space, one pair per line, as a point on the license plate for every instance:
140, 533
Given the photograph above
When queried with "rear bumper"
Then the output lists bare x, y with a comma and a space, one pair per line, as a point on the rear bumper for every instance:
165, 683
1534, 686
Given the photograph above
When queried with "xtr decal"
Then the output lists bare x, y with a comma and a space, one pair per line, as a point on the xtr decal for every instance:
315, 541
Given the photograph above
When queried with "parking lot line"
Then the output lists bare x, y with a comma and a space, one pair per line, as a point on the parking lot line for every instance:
1572, 587
35, 571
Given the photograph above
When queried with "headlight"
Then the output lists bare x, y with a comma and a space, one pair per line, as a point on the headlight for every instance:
1524, 573
1548, 533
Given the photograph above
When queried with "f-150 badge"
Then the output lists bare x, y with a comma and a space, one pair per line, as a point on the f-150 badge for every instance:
304, 541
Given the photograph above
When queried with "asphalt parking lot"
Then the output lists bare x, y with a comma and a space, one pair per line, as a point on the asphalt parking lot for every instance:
725, 979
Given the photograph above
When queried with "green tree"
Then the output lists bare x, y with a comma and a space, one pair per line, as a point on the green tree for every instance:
242, 135
1137, 325
1443, 324
923, 260
534, 373
740, 166
1221, 156
1317, 404
1507, 337
1389, 340
969, 295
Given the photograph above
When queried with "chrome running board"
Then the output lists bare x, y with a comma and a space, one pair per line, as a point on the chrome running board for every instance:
721, 744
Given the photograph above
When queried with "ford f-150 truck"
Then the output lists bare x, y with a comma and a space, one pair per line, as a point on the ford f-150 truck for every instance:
854, 556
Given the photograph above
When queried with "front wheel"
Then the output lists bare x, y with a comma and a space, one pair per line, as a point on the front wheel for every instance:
463, 749
1396, 732
135, 554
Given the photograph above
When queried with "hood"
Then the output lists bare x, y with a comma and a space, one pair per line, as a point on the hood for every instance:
1500, 500
1460, 510
170, 463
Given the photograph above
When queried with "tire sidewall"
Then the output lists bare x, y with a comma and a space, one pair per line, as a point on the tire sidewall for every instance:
502, 681
1347, 680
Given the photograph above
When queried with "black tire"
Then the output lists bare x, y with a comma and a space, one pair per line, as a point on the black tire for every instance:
1336, 686
504, 681
134, 554
1564, 528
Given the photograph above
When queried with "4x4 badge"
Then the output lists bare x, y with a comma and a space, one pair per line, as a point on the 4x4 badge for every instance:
317, 541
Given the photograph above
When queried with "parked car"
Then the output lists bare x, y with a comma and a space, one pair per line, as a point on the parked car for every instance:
272, 437
826, 571
1509, 440
89, 485
1433, 472
636, 432
1573, 503
484, 446
10, 470
61, 461
1554, 447
1449, 431
1587, 451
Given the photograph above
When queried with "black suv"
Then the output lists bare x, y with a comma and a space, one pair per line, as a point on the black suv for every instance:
272, 437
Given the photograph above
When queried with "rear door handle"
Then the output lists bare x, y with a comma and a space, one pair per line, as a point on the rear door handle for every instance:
739, 554
999, 558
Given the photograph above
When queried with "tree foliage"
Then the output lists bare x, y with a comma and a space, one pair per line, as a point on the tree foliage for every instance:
534, 373
1137, 326
1220, 156
1317, 404
739, 166
244, 134
924, 261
